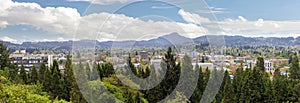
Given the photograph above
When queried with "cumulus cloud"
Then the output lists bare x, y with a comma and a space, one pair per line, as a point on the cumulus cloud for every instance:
106, 26
242, 26
260, 27
192, 18
62, 20
8, 39
55, 20
121, 27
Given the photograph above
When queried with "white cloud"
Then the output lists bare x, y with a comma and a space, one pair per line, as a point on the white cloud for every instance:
192, 18
242, 19
61, 39
56, 20
8, 39
122, 27
62, 20
261, 27
259, 22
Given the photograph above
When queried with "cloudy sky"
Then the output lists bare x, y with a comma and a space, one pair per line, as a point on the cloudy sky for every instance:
59, 20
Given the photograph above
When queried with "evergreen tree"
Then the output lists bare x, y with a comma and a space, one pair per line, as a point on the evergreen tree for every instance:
23, 74
260, 64
14, 75
131, 66
170, 80
229, 95
172, 73
94, 75
56, 82
294, 68
100, 71
268, 95
88, 71
280, 86
33, 75
4, 56
76, 94
47, 80
189, 75
41, 75
206, 76
197, 95
238, 84
68, 79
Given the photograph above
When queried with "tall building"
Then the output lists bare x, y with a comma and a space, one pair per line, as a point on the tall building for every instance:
28, 60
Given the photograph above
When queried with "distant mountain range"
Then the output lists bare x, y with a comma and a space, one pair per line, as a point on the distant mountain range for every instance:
166, 40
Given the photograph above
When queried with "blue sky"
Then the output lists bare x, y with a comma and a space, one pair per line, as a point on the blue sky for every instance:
264, 15
250, 9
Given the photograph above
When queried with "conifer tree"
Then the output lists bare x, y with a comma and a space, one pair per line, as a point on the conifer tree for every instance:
68, 79
172, 72
76, 95
94, 75
229, 95
56, 82
4, 56
23, 75
33, 75
88, 71
238, 83
47, 80
197, 95
260, 64
41, 75
14, 74
294, 68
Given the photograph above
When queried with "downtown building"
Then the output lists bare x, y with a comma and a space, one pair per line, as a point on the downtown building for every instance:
20, 57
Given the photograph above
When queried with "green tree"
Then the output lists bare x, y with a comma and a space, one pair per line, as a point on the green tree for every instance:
260, 64
68, 79
170, 80
14, 74
41, 75
23, 75
269, 90
196, 96
33, 75
229, 95
56, 82
4, 56
294, 68
238, 84
47, 80
281, 90
76, 95
173, 71
88, 71
94, 75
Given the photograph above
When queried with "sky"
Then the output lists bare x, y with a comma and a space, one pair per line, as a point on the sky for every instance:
103, 20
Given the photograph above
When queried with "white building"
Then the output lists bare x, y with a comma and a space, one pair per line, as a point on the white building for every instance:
210, 66
29, 60
269, 66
